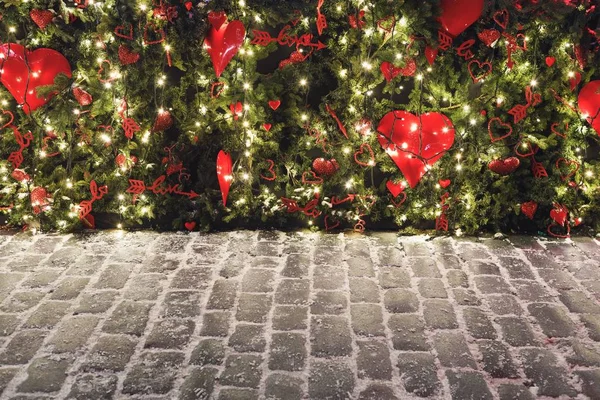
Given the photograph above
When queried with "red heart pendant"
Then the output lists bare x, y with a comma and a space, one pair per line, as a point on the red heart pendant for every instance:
497, 121
188, 5
330, 226
24, 71
267, 127
589, 104
483, 71
224, 169
458, 15
519, 147
361, 151
504, 167
395, 188
501, 18
190, 226
529, 209
570, 165
274, 104
223, 42
127, 56
415, 143
559, 214
310, 178
489, 36
431, 54
325, 167
550, 61
389, 71
445, 183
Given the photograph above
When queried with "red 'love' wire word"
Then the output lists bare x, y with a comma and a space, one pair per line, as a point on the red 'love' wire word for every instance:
262, 38
138, 187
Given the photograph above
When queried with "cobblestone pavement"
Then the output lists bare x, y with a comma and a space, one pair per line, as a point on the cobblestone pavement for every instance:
255, 315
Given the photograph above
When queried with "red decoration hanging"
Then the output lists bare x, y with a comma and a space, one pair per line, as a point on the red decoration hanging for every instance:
311, 178
190, 226
441, 222
82, 97
415, 143
361, 151
390, 71
24, 71
158, 34
321, 19
501, 18
223, 40
529, 209
458, 15
20, 175
357, 21
504, 167
483, 71
444, 183
571, 166
519, 112
464, 50
489, 36
538, 169
123, 32
237, 110
559, 217
550, 61
40, 200
274, 104
589, 104
127, 56
42, 18
330, 226
224, 174
158, 187
163, 121
493, 123
556, 132
325, 168
85, 207
337, 120
16, 157
271, 170
267, 127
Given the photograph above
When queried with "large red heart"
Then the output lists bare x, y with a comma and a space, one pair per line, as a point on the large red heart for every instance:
23, 71
589, 103
223, 43
415, 143
458, 15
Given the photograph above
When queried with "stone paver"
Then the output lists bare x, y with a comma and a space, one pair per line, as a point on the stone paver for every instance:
273, 315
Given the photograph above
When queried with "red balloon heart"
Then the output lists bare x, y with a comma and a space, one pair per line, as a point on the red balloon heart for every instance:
23, 71
223, 42
224, 168
458, 15
589, 103
504, 167
529, 209
190, 225
415, 143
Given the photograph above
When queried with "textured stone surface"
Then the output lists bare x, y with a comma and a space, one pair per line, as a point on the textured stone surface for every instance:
270, 315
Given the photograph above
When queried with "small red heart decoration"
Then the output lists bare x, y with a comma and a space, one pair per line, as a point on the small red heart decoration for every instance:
523, 145
589, 103
42, 18
395, 188
188, 5
121, 32
82, 97
458, 15
563, 163
127, 56
481, 65
501, 18
575, 81
190, 226
267, 127
361, 151
157, 31
489, 36
311, 178
20, 175
529, 209
559, 214
24, 71
399, 203
431, 54
223, 41
415, 143
325, 167
495, 122
224, 169
445, 183
163, 121
389, 71
274, 104
237, 109
120, 160
550, 61
504, 167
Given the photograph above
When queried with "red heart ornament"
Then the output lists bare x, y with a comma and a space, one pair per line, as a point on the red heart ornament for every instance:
23, 71
529, 209
223, 42
559, 214
267, 127
504, 167
557, 133
501, 18
415, 143
325, 167
311, 178
431, 54
224, 168
120, 31
389, 71
519, 147
188, 5
42, 18
575, 81
216, 19
127, 56
361, 151
395, 188
82, 97
445, 183
564, 164
274, 104
190, 226
458, 15
489, 36
498, 121
479, 75
329, 227
10, 120
550, 61
589, 103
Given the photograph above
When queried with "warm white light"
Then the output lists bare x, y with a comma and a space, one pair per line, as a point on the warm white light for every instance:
303, 82
533, 82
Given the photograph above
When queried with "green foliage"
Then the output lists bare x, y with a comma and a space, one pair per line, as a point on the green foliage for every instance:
75, 144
